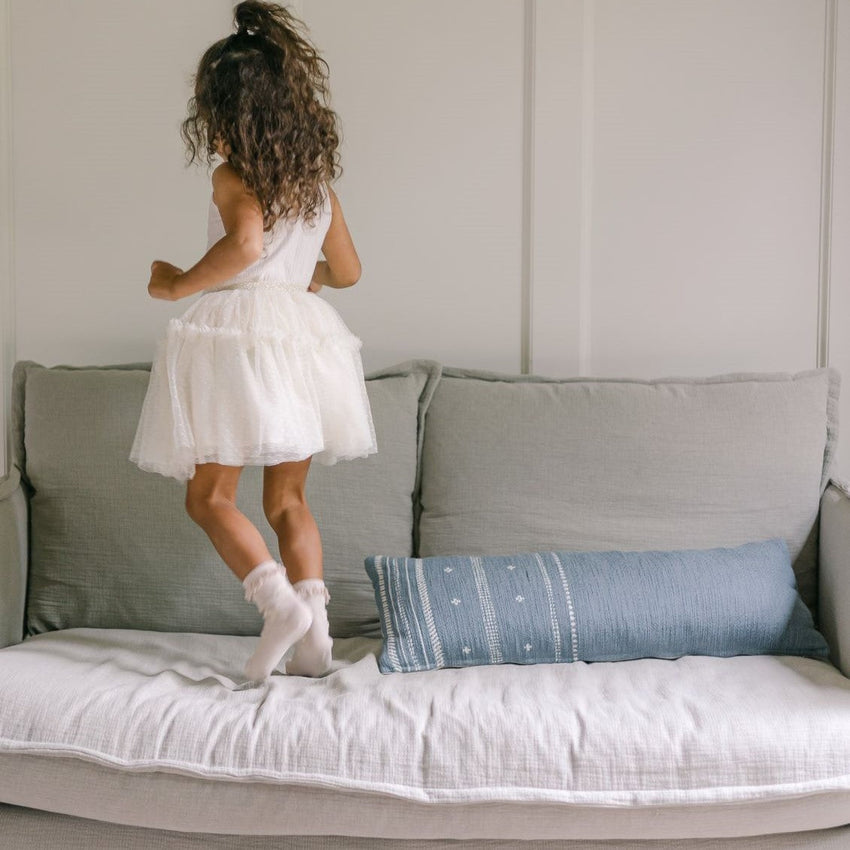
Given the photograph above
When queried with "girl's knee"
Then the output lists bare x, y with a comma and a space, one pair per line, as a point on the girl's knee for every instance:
277, 510
202, 506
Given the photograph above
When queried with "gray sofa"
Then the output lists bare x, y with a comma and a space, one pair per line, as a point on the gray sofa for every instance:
125, 721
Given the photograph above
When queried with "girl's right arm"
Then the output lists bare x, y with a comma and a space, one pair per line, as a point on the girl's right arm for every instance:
242, 243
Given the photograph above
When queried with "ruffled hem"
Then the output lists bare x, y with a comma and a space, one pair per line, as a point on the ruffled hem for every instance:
312, 587
258, 577
186, 471
254, 381
312, 342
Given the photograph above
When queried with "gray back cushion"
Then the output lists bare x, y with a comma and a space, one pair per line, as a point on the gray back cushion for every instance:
113, 547
519, 463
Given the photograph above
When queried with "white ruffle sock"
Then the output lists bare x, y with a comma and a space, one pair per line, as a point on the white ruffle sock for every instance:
312, 656
286, 616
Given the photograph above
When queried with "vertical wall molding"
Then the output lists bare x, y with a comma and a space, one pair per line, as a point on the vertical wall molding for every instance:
586, 218
528, 120
826, 188
8, 342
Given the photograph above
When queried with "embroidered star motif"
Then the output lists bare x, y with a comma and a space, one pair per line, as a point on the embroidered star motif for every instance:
519, 598
455, 601
466, 650
528, 647
447, 569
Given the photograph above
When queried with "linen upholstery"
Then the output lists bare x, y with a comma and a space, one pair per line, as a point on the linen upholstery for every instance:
155, 728
13, 558
527, 463
834, 571
113, 547
30, 828
685, 729
560, 607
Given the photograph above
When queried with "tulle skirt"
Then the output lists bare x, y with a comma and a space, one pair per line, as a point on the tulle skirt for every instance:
254, 376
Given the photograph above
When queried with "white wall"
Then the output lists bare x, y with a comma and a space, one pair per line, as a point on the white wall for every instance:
564, 187
7, 271
839, 253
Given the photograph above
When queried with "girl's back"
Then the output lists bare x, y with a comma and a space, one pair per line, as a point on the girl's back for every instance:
290, 249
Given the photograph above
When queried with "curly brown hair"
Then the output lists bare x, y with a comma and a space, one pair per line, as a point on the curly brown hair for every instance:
262, 91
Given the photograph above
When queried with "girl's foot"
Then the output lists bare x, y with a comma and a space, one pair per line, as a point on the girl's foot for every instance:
286, 617
312, 656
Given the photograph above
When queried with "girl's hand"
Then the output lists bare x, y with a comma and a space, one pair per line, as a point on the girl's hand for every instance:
161, 284
314, 286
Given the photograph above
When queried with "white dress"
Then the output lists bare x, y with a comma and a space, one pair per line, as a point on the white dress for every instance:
258, 370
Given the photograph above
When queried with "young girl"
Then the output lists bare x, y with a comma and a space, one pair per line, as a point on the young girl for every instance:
260, 370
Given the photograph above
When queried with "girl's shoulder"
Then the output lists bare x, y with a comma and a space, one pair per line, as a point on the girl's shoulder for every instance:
226, 180
220, 166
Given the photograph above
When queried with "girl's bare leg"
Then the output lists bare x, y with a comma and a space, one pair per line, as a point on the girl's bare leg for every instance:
288, 513
300, 545
211, 503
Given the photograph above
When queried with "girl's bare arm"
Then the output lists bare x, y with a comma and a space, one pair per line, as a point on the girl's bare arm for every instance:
242, 244
341, 266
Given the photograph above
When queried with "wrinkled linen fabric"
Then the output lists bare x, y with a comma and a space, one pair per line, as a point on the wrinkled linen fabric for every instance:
668, 747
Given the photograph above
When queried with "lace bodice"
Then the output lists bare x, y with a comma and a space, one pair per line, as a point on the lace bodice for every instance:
290, 249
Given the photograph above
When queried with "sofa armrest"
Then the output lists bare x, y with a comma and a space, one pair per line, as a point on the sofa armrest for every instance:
834, 572
14, 558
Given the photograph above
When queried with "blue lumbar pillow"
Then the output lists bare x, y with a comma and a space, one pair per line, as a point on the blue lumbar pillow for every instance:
547, 607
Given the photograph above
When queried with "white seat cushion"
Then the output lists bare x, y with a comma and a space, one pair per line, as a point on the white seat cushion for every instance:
151, 729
